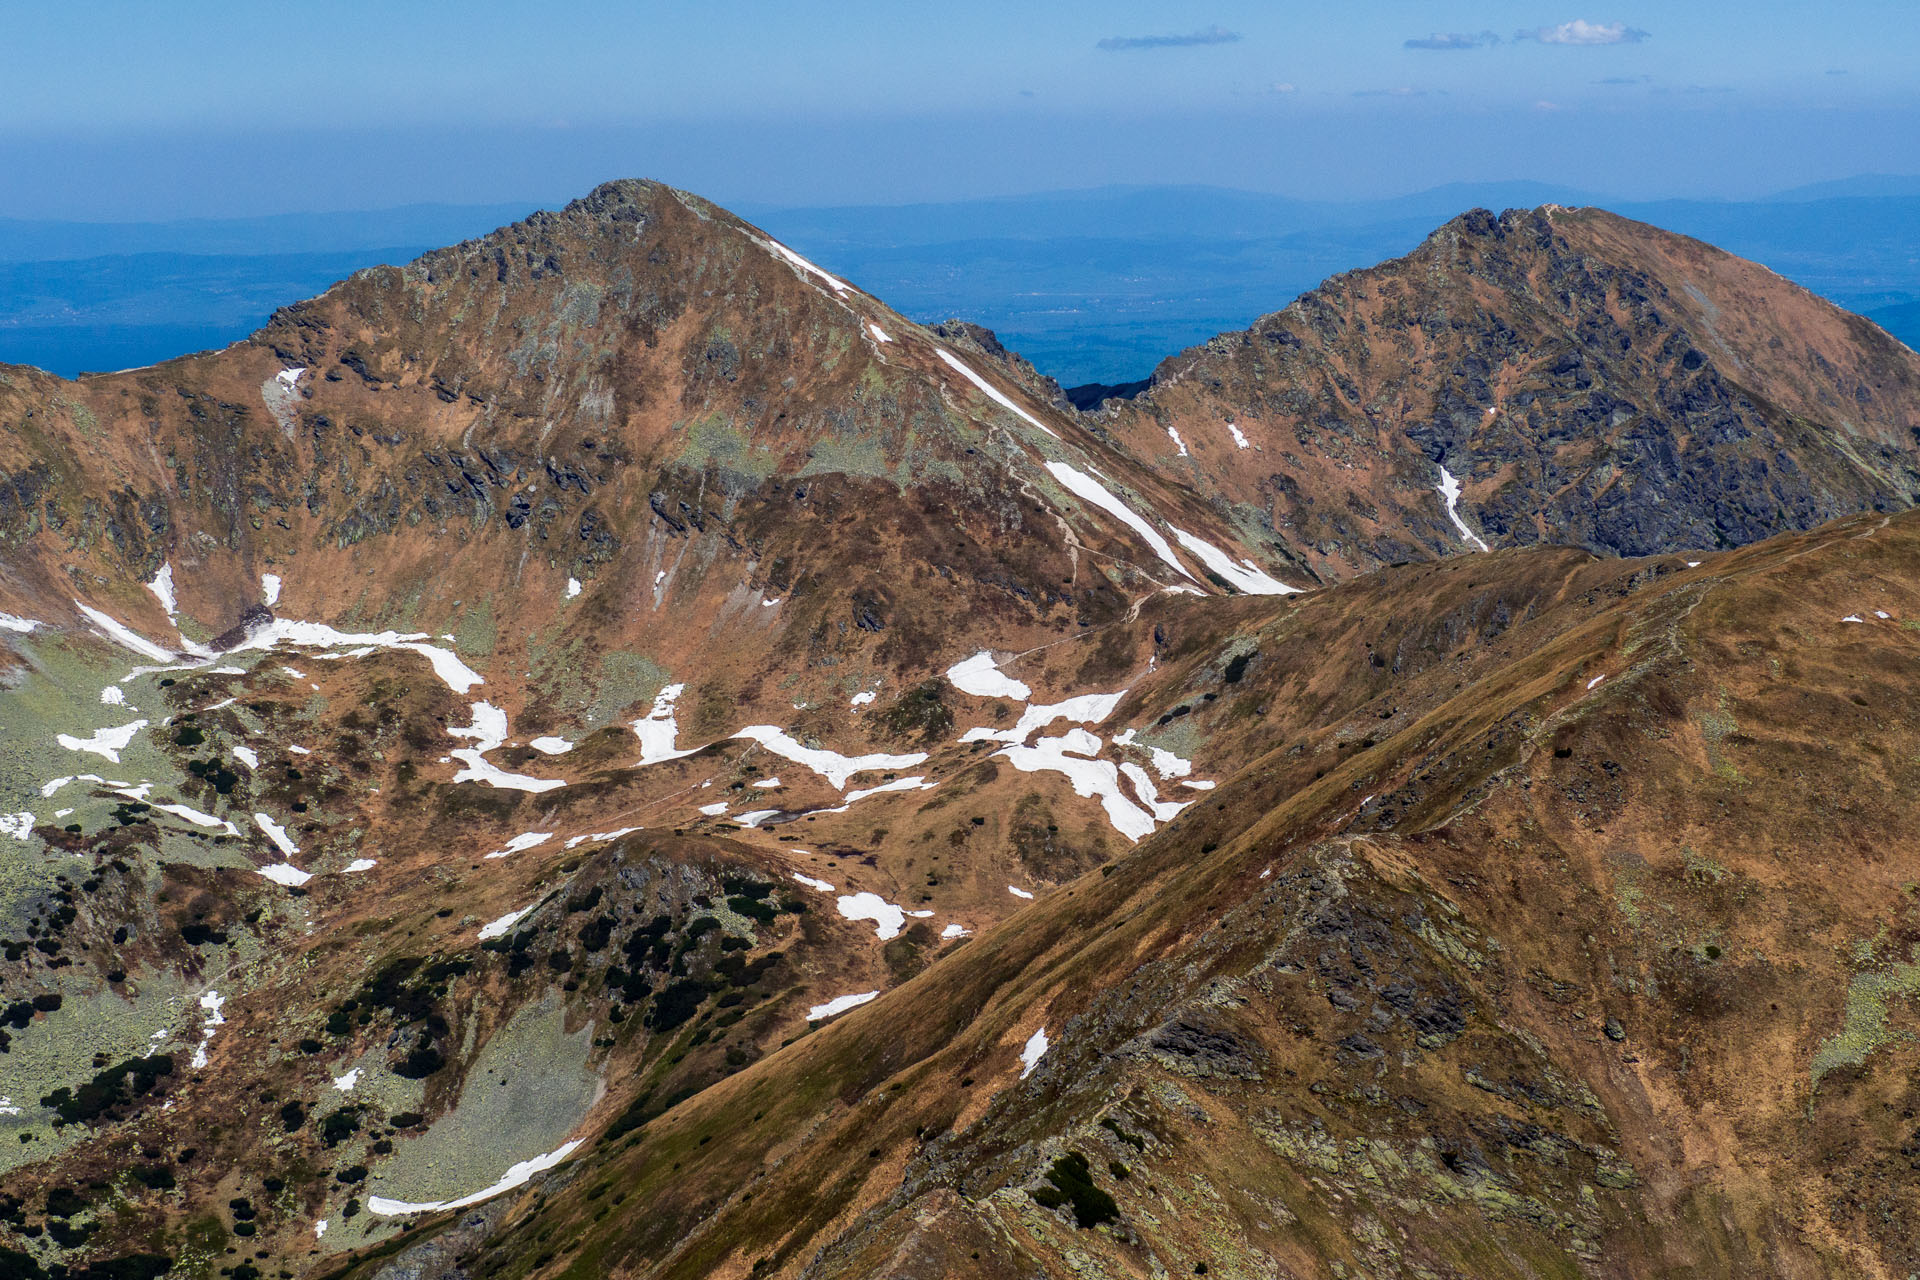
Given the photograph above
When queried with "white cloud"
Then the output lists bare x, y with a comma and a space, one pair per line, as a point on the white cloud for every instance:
1212, 35
1453, 41
1582, 32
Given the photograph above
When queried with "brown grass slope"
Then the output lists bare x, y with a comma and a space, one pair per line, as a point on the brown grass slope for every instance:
1591, 381
1561, 977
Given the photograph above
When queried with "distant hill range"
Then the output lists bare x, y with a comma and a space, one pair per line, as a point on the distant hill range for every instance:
1093, 286
1099, 285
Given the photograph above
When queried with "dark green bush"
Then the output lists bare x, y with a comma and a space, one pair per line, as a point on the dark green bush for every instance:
339, 1126
1071, 1183
108, 1090
155, 1177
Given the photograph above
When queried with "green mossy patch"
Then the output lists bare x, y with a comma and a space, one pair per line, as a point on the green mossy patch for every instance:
1866, 1028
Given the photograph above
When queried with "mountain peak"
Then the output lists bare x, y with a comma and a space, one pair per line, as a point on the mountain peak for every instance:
1586, 378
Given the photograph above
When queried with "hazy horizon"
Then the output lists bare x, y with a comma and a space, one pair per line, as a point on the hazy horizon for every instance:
1092, 285
203, 109
1908, 184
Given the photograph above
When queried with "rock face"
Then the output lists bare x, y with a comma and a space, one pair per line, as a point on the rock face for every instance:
1590, 381
610, 749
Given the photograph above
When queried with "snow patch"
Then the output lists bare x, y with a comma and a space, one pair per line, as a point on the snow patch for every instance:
915, 783
270, 589
573, 587
212, 1002
954, 931
247, 756
162, 588
879, 334
831, 765
1087, 708
714, 810
522, 842
126, 636
821, 885
993, 393
346, 1082
982, 677
1449, 489
21, 626
1020, 893
1086, 488
862, 699
1089, 777
1036, 1049
489, 730
839, 1004
840, 287
18, 825
198, 818
1595, 681
755, 817
1178, 443
499, 928
453, 673
1239, 437
277, 834
888, 919
1143, 787
551, 746
360, 864
105, 743
285, 873
516, 1176
658, 730
1167, 764
577, 841
288, 377
112, 696
1247, 576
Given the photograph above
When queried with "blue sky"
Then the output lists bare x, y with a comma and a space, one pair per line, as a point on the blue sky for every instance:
118, 110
